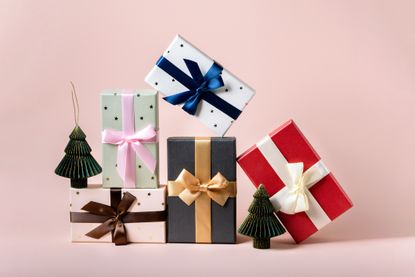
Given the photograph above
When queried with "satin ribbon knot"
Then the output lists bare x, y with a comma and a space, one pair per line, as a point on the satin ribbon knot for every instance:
127, 145
199, 87
114, 223
203, 187
295, 198
218, 188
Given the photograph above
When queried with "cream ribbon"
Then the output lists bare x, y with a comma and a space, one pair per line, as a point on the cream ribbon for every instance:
295, 197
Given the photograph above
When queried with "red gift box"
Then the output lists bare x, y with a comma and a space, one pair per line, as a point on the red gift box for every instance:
304, 193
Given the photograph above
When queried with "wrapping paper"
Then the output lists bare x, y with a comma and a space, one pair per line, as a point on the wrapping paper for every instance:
310, 204
185, 217
234, 91
148, 200
145, 114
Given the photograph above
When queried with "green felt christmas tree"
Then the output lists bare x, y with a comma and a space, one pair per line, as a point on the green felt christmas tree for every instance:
78, 163
261, 223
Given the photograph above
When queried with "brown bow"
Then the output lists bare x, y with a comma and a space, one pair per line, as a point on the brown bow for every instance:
114, 223
189, 188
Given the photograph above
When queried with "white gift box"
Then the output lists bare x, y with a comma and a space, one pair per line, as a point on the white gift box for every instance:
235, 92
147, 200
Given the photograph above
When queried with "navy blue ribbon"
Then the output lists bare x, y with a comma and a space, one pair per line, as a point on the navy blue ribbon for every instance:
200, 87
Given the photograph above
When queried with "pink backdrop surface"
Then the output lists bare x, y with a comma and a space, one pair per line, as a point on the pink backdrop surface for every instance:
343, 70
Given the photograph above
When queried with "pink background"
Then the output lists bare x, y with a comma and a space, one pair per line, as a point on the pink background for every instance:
344, 70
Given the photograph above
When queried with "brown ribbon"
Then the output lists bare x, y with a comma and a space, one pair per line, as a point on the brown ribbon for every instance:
201, 189
113, 217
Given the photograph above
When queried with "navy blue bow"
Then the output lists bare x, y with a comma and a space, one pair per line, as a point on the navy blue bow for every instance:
200, 87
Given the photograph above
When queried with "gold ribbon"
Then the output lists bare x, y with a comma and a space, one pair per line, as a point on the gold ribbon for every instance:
201, 189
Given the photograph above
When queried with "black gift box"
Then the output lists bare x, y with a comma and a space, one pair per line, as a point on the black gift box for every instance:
181, 217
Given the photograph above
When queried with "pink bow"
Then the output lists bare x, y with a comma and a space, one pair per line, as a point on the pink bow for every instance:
130, 143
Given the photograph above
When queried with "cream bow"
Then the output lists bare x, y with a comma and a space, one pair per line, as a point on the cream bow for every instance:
294, 198
189, 188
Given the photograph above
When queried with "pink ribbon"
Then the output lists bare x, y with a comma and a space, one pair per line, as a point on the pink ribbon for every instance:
131, 143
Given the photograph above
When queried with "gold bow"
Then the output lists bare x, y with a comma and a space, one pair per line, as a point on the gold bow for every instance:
189, 188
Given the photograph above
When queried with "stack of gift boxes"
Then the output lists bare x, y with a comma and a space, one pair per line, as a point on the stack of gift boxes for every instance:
198, 203
131, 205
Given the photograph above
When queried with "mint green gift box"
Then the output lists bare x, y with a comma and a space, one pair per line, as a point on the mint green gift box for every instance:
145, 113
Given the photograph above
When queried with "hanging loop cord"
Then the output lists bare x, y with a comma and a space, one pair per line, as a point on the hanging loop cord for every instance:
75, 104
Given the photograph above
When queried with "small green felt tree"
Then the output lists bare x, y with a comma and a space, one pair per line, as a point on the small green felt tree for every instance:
78, 163
261, 223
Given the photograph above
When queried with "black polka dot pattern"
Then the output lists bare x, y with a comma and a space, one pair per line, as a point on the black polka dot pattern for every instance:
144, 103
